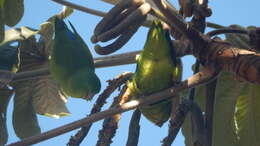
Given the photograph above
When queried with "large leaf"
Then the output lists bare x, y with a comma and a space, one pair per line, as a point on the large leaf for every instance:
13, 11
46, 95
227, 91
5, 96
25, 121
248, 116
2, 3
186, 130
32, 55
48, 99
224, 109
200, 95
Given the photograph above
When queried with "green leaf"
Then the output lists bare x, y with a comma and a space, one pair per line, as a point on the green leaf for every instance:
248, 115
13, 11
25, 121
47, 98
224, 110
227, 91
5, 96
2, 3
186, 130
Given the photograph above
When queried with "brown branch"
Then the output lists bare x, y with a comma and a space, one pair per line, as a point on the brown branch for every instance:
223, 56
134, 129
202, 77
101, 100
176, 122
210, 100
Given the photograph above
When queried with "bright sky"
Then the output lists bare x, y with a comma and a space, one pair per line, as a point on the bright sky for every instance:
37, 11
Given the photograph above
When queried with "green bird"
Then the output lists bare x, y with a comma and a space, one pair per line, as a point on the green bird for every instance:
71, 63
156, 70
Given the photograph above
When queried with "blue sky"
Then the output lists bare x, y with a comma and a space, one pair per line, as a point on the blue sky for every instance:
37, 11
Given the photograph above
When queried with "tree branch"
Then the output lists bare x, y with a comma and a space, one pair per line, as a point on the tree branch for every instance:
99, 62
223, 56
89, 10
200, 78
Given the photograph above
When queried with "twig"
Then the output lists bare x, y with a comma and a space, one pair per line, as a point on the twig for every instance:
176, 122
210, 100
80, 8
226, 30
108, 61
101, 100
134, 129
197, 79
214, 25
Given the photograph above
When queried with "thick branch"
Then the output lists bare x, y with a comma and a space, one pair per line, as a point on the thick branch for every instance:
202, 77
223, 56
